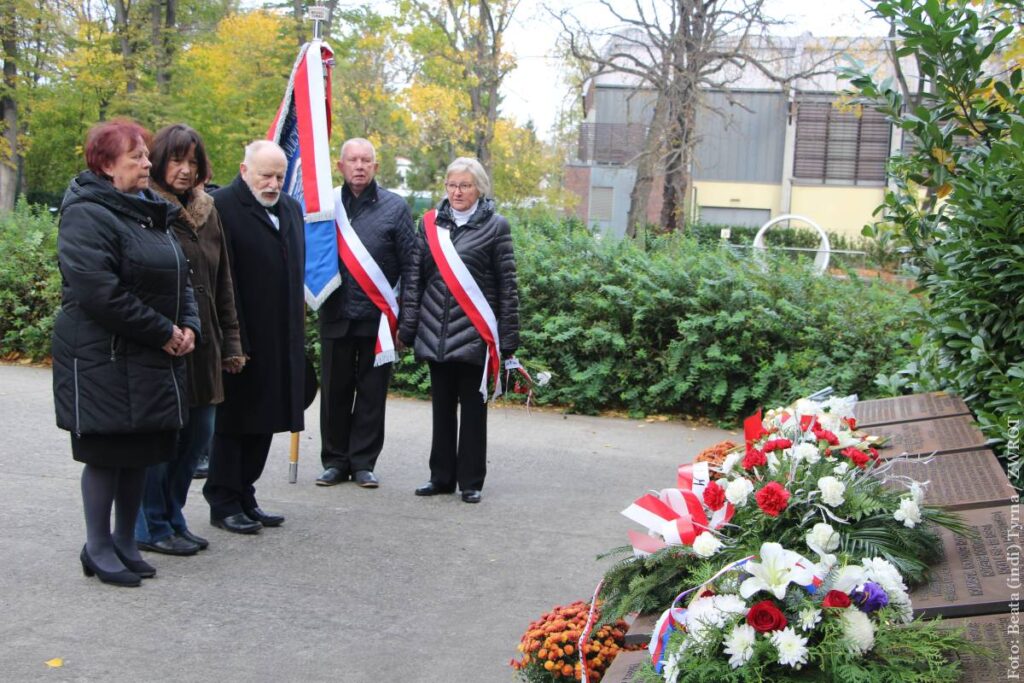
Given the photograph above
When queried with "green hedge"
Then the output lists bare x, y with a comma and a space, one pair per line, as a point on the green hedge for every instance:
691, 328
29, 281
681, 327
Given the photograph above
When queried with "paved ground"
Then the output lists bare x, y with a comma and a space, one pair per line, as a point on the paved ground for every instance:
357, 585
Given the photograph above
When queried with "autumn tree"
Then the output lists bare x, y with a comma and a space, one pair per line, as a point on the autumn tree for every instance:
462, 41
678, 49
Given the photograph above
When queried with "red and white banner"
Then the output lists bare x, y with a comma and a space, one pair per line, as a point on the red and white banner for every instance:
468, 295
371, 280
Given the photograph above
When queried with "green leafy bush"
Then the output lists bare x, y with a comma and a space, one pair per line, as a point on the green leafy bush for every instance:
683, 327
29, 281
957, 202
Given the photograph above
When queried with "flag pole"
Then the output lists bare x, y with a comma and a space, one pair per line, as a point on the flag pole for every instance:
319, 14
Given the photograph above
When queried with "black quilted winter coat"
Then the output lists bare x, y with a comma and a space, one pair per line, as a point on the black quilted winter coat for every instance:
124, 285
434, 324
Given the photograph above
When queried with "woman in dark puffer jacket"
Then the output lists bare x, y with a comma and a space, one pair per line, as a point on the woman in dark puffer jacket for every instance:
474, 246
126, 320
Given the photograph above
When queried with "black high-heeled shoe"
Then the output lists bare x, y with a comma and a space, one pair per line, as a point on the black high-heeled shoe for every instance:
144, 569
125, 578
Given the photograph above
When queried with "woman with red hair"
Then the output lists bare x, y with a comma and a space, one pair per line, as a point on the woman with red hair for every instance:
126, 320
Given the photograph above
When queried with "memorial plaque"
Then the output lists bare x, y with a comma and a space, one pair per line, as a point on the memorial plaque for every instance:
886, 411
978, 574
941, 435
626, 666
961, 481
1000, 635
640, 630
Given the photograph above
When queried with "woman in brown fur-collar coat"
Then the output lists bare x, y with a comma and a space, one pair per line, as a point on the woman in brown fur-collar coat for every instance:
180, 167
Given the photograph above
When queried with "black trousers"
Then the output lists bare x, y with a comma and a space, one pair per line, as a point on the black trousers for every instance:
458, 449
236, 462
353, 395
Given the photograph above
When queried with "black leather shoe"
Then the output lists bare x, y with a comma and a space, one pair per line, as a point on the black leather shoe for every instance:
172, 545
470, 496
264, 518
366, 479
432, 489
202, 472
237, 523
123, 578
198, 540
331, 476
144, 569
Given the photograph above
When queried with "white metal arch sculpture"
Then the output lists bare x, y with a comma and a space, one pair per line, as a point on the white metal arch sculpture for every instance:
824, 252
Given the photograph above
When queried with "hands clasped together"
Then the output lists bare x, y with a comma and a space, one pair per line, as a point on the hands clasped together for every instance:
182, 342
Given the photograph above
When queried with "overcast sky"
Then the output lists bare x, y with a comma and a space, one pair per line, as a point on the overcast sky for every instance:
536, 89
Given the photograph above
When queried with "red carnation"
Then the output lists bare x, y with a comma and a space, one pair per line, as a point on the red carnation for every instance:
754, 458
874, 452
836, 599
859, 457
826, 435
714, 496
852, 421
765, 617
776, 445
808, 423
772, 499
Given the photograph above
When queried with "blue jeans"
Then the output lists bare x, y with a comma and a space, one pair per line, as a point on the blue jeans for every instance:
167, 484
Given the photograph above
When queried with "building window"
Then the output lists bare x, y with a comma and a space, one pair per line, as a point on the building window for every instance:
601, 201
842, 146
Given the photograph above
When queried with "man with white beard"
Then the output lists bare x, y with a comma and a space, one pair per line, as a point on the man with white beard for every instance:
264, 232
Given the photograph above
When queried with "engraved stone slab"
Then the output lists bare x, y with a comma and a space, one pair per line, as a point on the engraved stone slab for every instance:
977, 575
626, 666
940, 435
960, 481
1000, 635
640, 630
885, 411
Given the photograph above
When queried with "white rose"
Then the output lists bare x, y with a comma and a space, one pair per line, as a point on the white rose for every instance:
737, 490
823, 538
806, 451
706, 545
909, 513
832, 491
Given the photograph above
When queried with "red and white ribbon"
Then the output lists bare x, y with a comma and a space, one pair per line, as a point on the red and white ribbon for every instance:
581, 644
467, 293
371, 280
676, 515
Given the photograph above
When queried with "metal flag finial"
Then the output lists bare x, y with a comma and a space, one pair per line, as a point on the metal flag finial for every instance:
319, 14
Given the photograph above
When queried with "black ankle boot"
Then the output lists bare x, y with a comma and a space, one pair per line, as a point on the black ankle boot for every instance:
123, 578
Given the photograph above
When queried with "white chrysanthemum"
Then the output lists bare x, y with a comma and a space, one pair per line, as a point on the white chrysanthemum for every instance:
776, 570
730, 604
791, 647
808, 618
823, 538
805, 451
842, 468
706, 545
739, 644
885, 574
730, 462
858, 631
737, 490
671, 670
832, 491
909, 513
917, 493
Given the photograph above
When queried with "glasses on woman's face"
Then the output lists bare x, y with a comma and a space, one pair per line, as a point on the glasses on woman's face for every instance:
459, 187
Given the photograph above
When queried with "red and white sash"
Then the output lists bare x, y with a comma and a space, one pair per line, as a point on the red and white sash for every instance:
468, 295
371, 280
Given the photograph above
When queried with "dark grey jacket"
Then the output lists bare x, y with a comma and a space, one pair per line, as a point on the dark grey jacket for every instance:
384, 226
434, 324
124, 285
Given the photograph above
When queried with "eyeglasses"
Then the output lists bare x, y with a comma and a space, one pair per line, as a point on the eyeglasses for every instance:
462, 187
